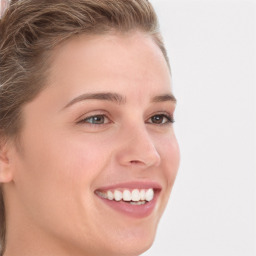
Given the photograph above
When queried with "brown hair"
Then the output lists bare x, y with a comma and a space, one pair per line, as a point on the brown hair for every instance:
30, 29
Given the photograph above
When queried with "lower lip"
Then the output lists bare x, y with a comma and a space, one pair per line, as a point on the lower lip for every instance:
135, 211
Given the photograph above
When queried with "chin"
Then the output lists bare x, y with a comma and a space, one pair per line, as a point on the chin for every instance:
133, 243
135, 248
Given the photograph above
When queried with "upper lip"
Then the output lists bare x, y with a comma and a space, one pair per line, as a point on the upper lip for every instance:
133, 185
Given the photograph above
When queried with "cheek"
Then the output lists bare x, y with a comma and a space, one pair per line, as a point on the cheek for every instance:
53, 166
60, 171
170, 156
63, 154
61, 160
85, 157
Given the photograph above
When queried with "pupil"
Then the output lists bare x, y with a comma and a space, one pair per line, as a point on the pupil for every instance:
157, 119
97, 120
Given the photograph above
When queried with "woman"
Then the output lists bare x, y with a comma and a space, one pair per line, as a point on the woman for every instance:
88, 154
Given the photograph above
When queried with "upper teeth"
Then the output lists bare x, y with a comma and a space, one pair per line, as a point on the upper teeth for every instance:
135, 195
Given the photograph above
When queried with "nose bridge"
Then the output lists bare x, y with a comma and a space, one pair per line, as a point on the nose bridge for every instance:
138, 147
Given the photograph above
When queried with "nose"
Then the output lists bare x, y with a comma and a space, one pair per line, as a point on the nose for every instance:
138, 149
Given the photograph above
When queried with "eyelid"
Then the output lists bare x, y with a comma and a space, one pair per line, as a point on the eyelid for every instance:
106, 115
82, 118
88, 119
165, 114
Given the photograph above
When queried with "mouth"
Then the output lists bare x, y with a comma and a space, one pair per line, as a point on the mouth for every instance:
134, 200
135, 196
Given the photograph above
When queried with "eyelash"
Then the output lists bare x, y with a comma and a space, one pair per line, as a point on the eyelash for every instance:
168, 117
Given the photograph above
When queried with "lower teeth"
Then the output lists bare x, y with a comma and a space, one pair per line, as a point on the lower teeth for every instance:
138, 203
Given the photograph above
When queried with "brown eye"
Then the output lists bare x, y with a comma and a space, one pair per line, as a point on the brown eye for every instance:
161, 119
157, 119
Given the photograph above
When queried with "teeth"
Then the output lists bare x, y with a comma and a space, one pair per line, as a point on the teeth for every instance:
102, 194
118, 195
110, 195
127, 196
149, 194
138, 203
135, 196
143, 194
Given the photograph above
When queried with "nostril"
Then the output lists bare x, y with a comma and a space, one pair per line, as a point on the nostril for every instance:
138, 150
145, 162
135, 162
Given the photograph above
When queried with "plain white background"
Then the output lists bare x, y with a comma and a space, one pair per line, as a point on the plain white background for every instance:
211, 46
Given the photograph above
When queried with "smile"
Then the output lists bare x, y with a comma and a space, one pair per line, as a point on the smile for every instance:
135, 201
135, 196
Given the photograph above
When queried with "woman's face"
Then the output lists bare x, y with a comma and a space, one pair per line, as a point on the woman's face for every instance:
102, 128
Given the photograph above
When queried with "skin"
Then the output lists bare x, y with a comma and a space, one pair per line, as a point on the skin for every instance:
51, 179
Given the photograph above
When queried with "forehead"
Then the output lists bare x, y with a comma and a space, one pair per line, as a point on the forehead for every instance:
116, 62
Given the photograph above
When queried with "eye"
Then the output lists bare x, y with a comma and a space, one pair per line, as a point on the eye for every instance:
95, 120
161, 119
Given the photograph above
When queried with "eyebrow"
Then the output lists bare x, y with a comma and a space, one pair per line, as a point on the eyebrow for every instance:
116, 98
165, 97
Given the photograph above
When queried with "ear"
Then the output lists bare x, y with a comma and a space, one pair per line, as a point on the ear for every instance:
6, 173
